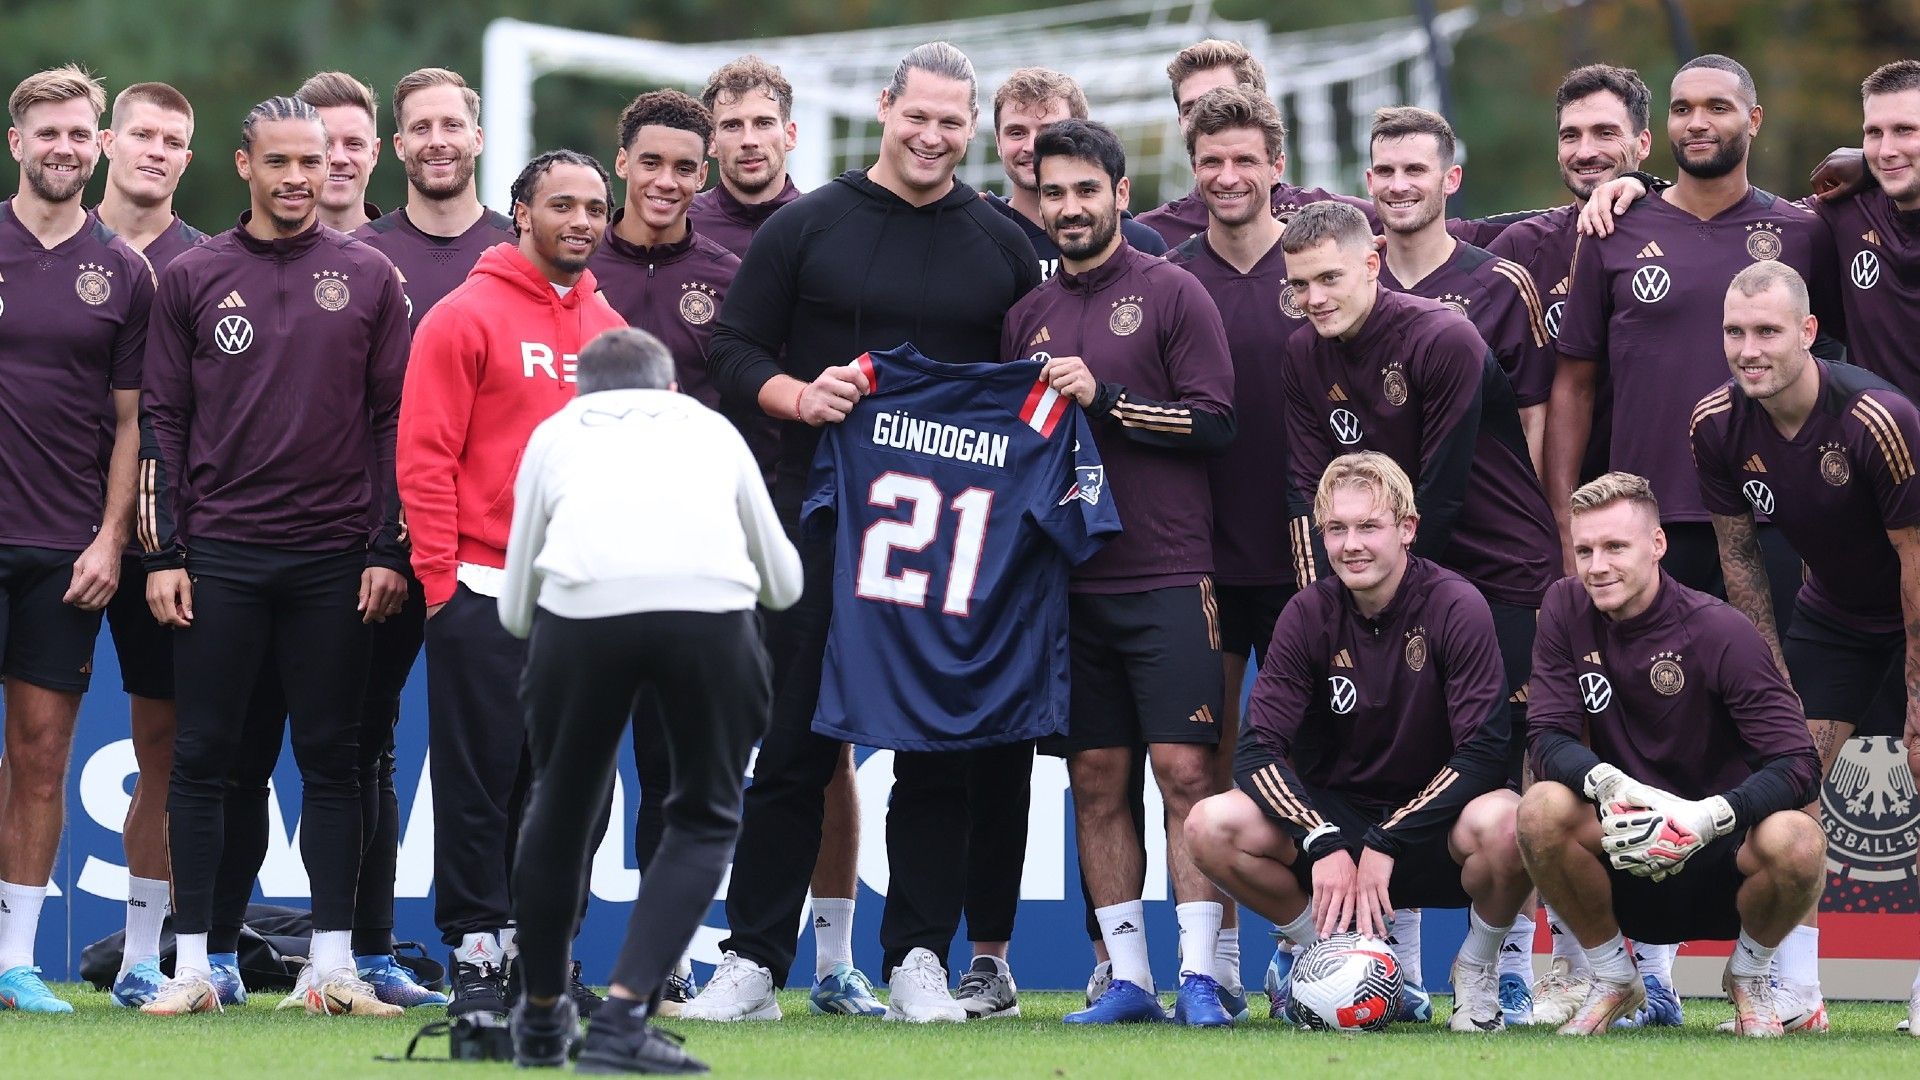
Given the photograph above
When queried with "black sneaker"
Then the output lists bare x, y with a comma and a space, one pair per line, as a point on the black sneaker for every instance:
621, 1041
543, 1038
581, 993
477, 988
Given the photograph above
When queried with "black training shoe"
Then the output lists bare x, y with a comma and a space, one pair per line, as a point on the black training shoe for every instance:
477, 988
621, 1041
581, 993
543, 1038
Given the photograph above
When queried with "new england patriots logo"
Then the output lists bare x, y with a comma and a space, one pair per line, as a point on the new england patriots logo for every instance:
1087, 482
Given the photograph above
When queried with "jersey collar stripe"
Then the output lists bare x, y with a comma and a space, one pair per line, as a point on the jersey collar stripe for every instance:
865, 364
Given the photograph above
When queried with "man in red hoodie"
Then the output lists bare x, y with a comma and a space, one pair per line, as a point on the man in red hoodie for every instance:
489, 363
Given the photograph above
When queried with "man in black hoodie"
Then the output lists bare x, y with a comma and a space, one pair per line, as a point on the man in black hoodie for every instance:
899, 252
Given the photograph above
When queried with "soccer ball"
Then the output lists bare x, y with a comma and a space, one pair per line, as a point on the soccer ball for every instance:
1347, 982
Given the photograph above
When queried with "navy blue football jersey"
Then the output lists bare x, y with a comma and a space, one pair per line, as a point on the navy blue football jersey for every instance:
959, 496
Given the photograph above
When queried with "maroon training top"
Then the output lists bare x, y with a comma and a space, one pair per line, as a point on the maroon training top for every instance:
1500, 299
731, 222
1152, 337
432, 266
1877, 248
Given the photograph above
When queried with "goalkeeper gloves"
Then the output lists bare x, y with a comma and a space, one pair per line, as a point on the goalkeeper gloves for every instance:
1657, 841
1609, 787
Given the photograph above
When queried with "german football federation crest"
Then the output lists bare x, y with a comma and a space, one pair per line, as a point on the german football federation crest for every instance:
1290, 304
1341, 695
1417, 649
1873, 824
1456, 302
696, 303
1596, 693
330, 290
1833, 465
1763, 241
1126, 317
94, 285
1088, 480
1666, 676
1393, 383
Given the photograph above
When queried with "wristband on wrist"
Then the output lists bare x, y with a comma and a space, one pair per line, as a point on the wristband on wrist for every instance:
797, 395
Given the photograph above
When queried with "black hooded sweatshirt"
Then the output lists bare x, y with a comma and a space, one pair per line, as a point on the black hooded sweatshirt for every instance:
851, 268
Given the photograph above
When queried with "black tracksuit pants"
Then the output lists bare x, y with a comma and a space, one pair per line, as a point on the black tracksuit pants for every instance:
295, 612
582, 678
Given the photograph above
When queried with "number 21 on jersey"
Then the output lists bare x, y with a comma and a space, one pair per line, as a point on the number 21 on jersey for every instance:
924, 502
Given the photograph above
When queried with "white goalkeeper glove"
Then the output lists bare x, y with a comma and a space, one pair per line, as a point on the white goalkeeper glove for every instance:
1609, 787
1656, 842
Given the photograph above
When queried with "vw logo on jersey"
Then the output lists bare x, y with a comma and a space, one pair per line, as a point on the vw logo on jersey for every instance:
233, 334
1759, 494
1596, 693
1866, 270
1650, 284
1345, 425
1553, 318
1341, 694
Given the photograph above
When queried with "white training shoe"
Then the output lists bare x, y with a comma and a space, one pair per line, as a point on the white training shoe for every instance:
1801, 1010
919, 992
302, 986
1559, 993
1099, 981
1911, 1025
739, 990
1476, 997
345, 993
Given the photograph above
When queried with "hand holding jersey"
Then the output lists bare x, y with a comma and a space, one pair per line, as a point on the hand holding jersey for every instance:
831, 395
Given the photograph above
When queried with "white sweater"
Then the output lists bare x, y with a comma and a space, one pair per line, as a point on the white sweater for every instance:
641, 500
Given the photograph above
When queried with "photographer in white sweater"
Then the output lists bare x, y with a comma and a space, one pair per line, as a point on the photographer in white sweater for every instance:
642, 539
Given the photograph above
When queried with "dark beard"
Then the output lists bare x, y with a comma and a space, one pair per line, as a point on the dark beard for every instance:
1729, 157
1097, 239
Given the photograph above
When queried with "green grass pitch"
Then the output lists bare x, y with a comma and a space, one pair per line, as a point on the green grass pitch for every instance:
257, 1043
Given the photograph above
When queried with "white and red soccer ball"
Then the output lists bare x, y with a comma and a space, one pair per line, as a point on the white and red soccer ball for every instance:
1347, 982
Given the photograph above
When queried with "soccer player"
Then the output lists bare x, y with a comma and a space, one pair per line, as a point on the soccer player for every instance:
147, 149
492, 360
1602, 114
273, 374
753, 132
1823, 450
626, 588
1236, 141
353, 146
1139, 345
1628, 797
1391, 672
1412, 172
940, 269
1027, 102
75, 299
1637, 308
1198, 68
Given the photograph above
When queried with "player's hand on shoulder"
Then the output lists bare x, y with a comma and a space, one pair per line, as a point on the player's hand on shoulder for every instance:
832, 395
1609, 201
1069, 376
1843, 173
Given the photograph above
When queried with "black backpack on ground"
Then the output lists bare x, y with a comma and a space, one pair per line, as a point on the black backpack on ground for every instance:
273, 949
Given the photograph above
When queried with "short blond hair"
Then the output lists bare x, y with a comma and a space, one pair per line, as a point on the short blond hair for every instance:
157, 94
333, 89
1370, 471
1029, 87
1615, 487
1215, 53
415, 81
64, 83
1764, 275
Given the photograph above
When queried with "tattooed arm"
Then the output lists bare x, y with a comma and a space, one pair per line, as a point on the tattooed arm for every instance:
1906, 542
1745, 571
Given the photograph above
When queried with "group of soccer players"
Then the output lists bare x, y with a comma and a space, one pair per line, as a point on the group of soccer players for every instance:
1357, 440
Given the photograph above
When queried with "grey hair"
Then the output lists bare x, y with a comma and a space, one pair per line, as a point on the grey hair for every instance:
940, 58
623, 359
1322, 221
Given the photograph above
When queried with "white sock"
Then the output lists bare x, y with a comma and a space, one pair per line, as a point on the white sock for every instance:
1482, 946
1750, 958
332, 950
1656, 960
19, 922
510, 943
1226, 959
1798, 961
146, 910
684, 968
481, 949
1124, 928
832, 934
1199, 935
1301, 930
1516, 953
1610, 960
190, 955
1404, 936
1565, 945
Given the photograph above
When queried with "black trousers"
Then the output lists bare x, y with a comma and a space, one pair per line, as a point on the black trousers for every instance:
579, 689
477, 740
258, 607
999, 797
395, 644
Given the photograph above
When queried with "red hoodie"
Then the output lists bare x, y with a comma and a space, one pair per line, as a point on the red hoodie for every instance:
489, 363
